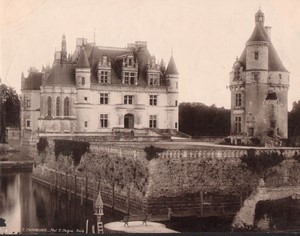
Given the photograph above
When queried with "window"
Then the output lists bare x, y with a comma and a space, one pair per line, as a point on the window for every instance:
152, 121
28, 103
128, 99
237, 73
177, 85
280, 77
58, 106
175, 125
130, 61
153, 79
49, 106
85, 124
256, 55
176, 103
255, 77
238, 99
103, 98
104, 77
238, 124
83, 81
153, 100
28, 123
129, 78
103, 120
66, 107
85, 99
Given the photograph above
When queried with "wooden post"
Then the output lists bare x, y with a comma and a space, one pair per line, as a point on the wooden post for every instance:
241, 198
55, 182
128, 200
75, 196
113, 196
86, 193
87, 227
201, 203
66, 183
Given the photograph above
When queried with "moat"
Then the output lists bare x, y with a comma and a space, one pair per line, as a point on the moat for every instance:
29, 206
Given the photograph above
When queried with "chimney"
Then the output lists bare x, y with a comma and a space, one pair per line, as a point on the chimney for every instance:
268, 30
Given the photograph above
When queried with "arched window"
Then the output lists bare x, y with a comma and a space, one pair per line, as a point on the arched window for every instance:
49, 106
58, 106
66, 106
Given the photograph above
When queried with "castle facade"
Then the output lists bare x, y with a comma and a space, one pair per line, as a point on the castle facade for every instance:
100, 91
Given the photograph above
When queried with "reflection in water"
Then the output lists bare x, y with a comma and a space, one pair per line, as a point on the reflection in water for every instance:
28, 205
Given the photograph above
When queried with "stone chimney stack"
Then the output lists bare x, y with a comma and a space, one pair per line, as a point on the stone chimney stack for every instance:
268, 30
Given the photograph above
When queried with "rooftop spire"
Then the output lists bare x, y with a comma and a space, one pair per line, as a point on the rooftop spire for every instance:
172, 69
260, 17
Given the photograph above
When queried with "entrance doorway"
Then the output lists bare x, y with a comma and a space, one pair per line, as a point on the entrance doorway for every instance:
129, 121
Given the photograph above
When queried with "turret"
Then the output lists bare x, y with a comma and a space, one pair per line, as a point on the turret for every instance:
83, 70
172, 77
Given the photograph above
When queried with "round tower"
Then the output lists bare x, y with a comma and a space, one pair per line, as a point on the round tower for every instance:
172, 79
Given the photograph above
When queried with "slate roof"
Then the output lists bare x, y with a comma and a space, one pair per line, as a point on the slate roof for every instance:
33, 81
62, 74
259, 34
172, 69
89, 56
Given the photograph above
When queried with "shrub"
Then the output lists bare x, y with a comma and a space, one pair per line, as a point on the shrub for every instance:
262, 162
72, 148
42, 144
151, 152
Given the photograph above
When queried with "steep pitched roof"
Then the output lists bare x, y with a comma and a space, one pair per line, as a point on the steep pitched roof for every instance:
172, 69
33, 81
259, 34
62, 74
83, 60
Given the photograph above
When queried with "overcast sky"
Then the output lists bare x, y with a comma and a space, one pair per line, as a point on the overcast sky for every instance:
206, 36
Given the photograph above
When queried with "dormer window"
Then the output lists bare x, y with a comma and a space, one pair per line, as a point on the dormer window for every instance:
256, 55
153, 79
129, 77
104, 70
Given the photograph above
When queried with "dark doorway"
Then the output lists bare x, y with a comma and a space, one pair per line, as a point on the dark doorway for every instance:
129, 121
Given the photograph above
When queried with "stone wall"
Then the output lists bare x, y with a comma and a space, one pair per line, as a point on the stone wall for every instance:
202, 182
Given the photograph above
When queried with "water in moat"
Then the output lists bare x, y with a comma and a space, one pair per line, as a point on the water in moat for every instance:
29, 206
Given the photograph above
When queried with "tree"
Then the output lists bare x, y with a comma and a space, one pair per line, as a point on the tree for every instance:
9, 109
197, 119
294, 120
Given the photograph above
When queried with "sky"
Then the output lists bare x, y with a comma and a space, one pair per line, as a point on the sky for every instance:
205, 36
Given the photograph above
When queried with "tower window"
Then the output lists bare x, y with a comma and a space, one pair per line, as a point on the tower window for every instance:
176, 103
280, 77
153, 121
103, 98
85, 124
175, 125
256, 55
128, 99
238, 99
238, 124
103, 120
28, 123
153, 100
85, 99
83, 81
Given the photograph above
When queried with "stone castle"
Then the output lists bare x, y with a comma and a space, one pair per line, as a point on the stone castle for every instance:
101, 91
259, 85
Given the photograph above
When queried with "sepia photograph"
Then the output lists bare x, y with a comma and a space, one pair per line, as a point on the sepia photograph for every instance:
149, 116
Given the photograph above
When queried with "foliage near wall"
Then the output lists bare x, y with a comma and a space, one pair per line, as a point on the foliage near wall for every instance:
42, 144
262, 162
75, 149
151, 152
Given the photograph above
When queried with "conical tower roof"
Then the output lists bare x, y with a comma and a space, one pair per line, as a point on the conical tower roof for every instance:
259, 34
172, 69
83, 61
99, 201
